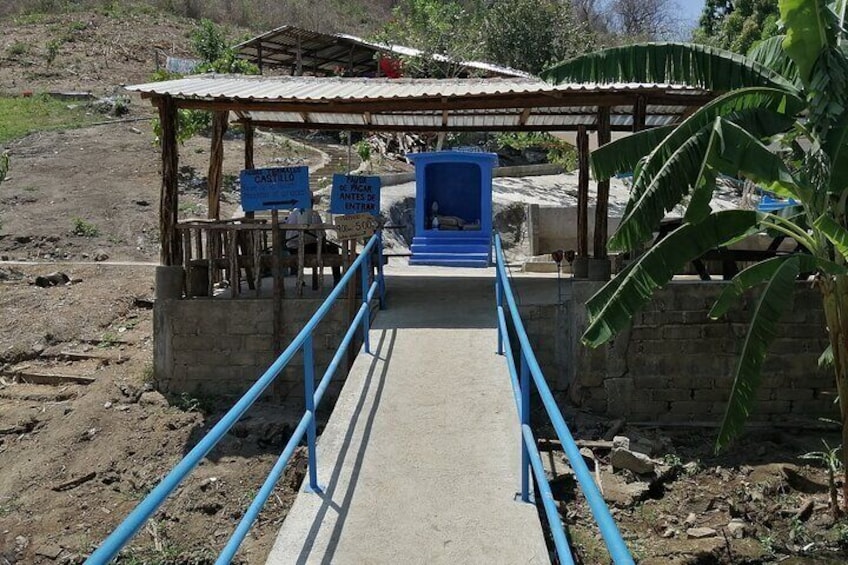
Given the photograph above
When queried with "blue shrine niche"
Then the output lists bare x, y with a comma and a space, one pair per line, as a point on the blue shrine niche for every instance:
453, 208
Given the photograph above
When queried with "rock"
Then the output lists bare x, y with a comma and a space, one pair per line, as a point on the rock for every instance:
621, 442
700, 533
803, 514
623, 494
107, 405
52, 279
690, 520
49, 551
153, 398
639, 463
100, 256
615, 427
669, 533
21, 543
736, 528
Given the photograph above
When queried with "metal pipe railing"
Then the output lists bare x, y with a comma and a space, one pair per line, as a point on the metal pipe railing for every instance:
529, 369
306, 427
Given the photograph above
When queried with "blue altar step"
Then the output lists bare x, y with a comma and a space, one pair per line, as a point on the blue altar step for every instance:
465, 250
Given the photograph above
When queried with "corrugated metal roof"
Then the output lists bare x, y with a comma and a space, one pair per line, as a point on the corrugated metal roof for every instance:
256, 88
327, 54
426, 104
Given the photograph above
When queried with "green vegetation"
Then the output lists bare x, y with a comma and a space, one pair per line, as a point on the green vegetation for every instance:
737, 25
559, 151
84, 229
210, 43
17, 49
781, 124
20, 116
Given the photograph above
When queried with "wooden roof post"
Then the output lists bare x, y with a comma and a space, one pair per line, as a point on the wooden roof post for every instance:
216, 163
259, 61
170, 252
602, 202
640, 111
582, 192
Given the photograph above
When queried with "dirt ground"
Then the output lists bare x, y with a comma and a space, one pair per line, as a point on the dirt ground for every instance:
84, 435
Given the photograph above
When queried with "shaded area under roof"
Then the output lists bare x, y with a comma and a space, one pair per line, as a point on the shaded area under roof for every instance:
431, 105
303, 51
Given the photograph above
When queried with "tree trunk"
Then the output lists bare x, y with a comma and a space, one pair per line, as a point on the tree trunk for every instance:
835, 295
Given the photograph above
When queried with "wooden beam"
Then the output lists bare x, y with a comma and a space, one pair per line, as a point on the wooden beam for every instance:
525, 115
216, 163
169, 253
602, 202
582, 192
436, 103
421, 128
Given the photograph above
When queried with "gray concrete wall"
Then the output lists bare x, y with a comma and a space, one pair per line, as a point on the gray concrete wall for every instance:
220, 347
676, 365
555, 227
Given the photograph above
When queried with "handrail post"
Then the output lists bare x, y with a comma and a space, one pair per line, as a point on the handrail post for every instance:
381, 282
366, 319
309, 391
525, 421
499, 301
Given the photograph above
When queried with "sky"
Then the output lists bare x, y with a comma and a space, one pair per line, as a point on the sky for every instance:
691, 10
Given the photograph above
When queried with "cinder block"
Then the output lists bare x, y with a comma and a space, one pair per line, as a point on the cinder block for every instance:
670, 394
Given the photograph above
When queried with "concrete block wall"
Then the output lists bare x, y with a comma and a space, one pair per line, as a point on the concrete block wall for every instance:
675, 364
220, 347
555, 227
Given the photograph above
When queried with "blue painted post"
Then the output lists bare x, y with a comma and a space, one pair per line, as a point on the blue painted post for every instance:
311, 431
381, 281
525, 421
499, 301
366, 319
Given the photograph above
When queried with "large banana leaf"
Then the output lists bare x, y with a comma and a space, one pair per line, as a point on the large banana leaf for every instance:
762, 272
674, 166
836, 147
837, 235
611, 309
679, 63
808, 33
777, 297
734, 151
622, 155
770, 54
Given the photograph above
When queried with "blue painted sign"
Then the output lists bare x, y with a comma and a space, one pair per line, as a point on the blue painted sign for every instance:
279, 188
355, 195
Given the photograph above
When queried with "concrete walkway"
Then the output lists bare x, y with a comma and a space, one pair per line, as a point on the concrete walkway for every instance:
419, 462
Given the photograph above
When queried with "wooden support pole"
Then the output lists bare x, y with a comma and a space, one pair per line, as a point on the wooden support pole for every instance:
582, 192
216, 163
259, 61
602, 202
640, 113
249, 133
169, 238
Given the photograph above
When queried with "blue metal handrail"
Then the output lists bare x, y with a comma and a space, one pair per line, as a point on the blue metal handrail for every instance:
520, 377
307, 425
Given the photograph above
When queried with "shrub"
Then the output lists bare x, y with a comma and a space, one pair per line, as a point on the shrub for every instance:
84, 229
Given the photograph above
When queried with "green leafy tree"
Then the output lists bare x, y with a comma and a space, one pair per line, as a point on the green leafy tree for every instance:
446, 32
737, 25
532, 34
781, 123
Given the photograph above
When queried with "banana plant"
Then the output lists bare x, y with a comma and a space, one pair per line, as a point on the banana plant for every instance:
781, 120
